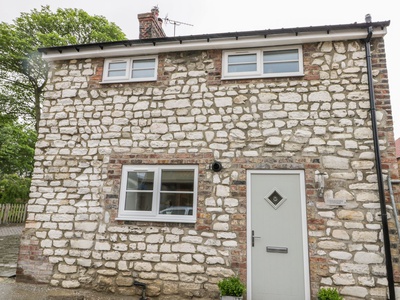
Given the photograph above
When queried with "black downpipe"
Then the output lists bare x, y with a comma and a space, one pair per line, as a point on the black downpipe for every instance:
385, 228
143, 286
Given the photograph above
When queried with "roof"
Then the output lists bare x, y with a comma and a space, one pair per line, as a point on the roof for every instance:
267, 37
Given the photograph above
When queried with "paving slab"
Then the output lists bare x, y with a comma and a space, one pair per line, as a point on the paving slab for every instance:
11, 229
9, 247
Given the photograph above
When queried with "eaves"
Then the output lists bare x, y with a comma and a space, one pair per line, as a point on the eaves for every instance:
229, 40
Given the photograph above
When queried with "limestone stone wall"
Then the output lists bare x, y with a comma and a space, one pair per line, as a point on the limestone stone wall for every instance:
319, 123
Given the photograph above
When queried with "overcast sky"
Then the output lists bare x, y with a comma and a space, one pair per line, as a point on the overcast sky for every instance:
211, 16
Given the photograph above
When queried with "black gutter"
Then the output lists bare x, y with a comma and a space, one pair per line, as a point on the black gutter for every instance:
213, 36
385, 228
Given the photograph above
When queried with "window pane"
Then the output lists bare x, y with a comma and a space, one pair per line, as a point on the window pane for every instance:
142, 73
140, 181
284, 67
139, 201
174, 211
143, 68
144, 64
176, 204
281, 55
242, 68
116, 73
177, 180
242, 63
117, 66
117, 69
243, 58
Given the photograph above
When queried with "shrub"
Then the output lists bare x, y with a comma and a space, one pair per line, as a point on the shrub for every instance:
329, 294
231, 286
14, 189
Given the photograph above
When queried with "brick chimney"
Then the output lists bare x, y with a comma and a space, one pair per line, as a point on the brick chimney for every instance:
150, 25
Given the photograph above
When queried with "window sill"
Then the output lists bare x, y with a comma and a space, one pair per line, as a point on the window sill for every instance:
236, 77
128, 81
155, 219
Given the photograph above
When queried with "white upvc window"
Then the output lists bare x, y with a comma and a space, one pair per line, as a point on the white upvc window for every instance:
264, 62
158, 193
122, 69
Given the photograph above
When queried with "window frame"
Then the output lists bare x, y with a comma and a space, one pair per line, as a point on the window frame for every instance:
128, 72
154, 215
259, 73
242, 53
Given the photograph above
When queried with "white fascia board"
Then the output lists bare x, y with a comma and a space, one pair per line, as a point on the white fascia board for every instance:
223, 43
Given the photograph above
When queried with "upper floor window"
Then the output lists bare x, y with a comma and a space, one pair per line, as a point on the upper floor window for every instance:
160, 193
266, 62
130, 69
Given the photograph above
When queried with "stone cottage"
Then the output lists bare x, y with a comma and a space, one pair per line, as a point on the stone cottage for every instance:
178, 161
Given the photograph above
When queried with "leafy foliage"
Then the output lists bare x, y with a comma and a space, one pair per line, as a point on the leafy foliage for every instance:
17, 147
23, 77
329, 294
23, 73
14, 189
231, 286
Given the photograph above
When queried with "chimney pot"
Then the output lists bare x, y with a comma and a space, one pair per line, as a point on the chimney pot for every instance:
155, 11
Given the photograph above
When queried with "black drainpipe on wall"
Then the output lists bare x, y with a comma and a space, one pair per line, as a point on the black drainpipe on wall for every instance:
385, 228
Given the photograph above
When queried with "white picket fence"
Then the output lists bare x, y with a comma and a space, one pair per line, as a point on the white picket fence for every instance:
12, 213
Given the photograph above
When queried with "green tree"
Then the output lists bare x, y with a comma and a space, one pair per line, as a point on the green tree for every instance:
23, 73
14, 189
17, 147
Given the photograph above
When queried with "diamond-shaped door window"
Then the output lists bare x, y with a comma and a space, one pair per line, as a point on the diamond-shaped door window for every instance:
275, 199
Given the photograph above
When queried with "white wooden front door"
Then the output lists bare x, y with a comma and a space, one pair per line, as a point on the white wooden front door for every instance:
277, 236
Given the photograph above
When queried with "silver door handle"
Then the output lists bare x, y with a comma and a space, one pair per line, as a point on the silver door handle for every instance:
253, 238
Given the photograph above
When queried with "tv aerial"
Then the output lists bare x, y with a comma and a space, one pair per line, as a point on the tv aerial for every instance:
175, 23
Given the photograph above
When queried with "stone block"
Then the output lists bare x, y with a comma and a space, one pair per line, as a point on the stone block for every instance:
70, 284
124, 281
81, 244
67, 269
368, 258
